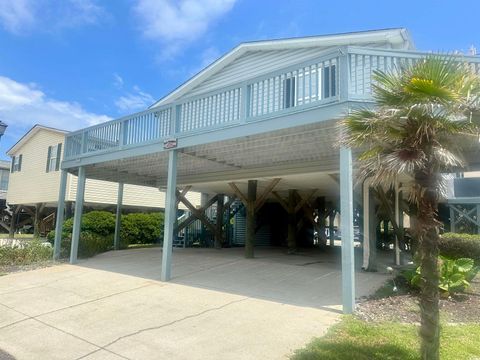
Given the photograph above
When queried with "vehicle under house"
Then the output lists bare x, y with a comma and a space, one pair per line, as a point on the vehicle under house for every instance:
257, 129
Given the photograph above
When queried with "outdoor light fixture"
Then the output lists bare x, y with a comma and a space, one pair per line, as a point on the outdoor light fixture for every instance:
3, 127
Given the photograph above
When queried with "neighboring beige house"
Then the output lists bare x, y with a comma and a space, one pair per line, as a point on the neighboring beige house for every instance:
4, 176
35, 180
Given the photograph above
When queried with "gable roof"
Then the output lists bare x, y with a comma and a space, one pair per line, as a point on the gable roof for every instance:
30, 133
397, 37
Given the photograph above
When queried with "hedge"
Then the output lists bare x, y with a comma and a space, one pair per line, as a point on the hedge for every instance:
457, 246
141, 228
98, 228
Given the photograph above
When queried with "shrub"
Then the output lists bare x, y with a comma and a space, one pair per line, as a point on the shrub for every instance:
29, 252
90, 244
98, 229
141, 228
96, 234
456, 246
455, 275
98, 222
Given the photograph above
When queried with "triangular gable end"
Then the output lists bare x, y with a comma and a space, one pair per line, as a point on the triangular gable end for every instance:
31, 134
249, 60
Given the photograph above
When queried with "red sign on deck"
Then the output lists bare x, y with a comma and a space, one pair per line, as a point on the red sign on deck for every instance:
170, 144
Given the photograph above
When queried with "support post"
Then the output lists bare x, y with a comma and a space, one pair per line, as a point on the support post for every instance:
77, 217
60, 215
250, 233
118, 217
170, 216
331, 228
219, 225
13, 221
369, 229
322, 236
37, 219
292, 222
346, 210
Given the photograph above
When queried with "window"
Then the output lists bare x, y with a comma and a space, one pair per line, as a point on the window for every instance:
16, 163
289, 93
4, 174
329, 81
53, 158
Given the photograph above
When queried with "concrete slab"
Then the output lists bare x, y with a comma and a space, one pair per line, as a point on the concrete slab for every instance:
31, 339
9, 317
219, 305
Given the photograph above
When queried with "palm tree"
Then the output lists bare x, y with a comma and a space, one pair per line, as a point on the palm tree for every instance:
425, 113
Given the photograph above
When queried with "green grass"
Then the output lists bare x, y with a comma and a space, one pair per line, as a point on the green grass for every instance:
354, 339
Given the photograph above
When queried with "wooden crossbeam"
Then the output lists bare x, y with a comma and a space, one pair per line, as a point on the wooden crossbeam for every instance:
466, 214
304, 200
5, 226
199, 214
184, 192
281, 201
261, 200
27, 210
238, 193
193, 216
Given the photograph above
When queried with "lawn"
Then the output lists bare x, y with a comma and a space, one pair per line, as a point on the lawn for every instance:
354, 339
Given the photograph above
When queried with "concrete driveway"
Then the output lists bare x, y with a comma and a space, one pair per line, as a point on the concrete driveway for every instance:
218, 306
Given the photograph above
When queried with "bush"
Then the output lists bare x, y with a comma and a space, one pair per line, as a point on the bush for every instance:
98, 228
141, 228
455, 275
29, 252
96, 235
98, 222
456, 246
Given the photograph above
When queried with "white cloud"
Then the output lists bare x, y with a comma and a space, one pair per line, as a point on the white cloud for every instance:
134, 101
177, 23
117, 81
16, 15
24, 16
23, 105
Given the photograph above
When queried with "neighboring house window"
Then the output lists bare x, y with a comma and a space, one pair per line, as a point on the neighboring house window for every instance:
53, 158
4, 174
16, 163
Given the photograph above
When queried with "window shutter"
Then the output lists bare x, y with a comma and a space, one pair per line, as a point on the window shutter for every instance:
13, 164
47, 169
59, 154
20, 162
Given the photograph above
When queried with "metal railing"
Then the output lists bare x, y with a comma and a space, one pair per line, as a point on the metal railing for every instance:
344, 73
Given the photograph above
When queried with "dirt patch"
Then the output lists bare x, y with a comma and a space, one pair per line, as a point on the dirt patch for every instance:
10, 269
462, 308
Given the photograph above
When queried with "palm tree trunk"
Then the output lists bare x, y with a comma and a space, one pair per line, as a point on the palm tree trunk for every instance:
427, 228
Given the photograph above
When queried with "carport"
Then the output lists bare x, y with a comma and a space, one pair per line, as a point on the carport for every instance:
301, 158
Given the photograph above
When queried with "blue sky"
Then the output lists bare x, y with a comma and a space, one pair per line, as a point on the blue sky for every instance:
73, 63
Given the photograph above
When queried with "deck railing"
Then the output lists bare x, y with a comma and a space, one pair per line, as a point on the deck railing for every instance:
341, 74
